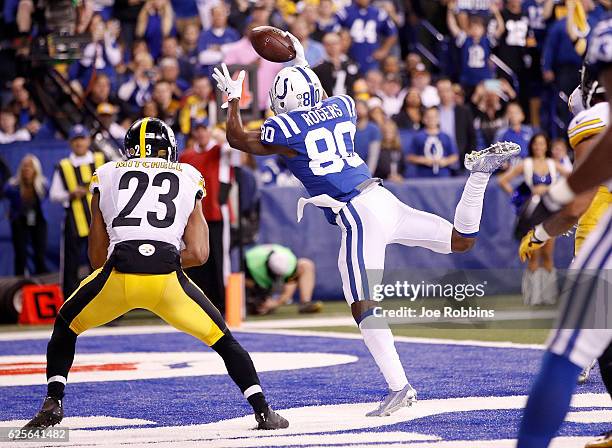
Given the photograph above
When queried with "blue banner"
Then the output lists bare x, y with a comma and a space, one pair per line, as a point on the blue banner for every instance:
318, 240
315, 238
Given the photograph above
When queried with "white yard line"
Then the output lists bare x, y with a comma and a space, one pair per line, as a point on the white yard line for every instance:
276, 327
321, 425
342, 321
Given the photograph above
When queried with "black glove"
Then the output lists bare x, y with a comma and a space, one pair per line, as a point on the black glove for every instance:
536, 210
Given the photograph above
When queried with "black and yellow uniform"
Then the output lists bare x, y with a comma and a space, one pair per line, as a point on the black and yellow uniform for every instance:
146, 203
588, 124
155, 282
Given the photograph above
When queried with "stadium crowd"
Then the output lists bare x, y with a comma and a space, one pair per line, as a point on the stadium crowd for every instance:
432, 80
490, 69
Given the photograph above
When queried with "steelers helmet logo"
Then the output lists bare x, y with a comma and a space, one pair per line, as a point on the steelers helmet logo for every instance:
150, 137
146, 249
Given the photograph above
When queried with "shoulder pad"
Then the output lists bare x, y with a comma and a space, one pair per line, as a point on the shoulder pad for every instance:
278, 130
348, 102
588, 123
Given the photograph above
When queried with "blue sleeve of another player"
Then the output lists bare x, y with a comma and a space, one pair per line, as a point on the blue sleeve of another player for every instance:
274, 132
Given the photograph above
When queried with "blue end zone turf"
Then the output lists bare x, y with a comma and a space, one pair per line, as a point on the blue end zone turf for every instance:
437, 371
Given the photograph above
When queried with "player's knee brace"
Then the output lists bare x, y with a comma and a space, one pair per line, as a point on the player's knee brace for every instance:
237, 361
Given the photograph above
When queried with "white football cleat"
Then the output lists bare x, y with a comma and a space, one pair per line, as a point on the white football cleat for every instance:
491, 158
394, 401
586, 373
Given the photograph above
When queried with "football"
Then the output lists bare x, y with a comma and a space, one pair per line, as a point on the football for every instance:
272, 44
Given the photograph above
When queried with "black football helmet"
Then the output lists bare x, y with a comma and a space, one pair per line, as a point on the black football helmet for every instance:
590, 86
150, 137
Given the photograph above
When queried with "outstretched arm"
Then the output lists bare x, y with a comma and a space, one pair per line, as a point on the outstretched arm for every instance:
237, 136
248, 141
451, 20
501, 26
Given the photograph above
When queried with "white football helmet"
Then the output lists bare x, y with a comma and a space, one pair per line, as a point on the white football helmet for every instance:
295, 88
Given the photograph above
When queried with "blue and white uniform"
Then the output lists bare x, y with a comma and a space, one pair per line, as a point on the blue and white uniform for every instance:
474, 59
585, 327
368, 27
339, 182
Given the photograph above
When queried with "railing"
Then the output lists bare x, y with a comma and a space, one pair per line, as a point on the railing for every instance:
55, 95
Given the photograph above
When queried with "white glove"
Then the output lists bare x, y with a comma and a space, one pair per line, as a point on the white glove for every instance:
226, 84
300, 59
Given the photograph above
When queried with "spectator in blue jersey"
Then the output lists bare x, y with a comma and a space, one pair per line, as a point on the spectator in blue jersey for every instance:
367, 136
326, 20
432, 152
136, 91
538, 12
99, 56
211, 40
155, 21
189, 42
313, 50
515, 131
185, 13
475, 47
561, 64
372, 31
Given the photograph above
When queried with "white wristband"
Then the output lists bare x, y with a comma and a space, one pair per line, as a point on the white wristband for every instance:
540, 233
561, 193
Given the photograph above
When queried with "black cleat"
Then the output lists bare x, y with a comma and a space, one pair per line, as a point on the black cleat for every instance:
51, 413
270, 420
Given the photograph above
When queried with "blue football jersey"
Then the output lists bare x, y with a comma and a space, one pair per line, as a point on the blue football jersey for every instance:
367, 26
599, 53
326, 162
474, 59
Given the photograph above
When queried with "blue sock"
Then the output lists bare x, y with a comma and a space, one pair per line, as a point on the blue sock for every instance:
548, 402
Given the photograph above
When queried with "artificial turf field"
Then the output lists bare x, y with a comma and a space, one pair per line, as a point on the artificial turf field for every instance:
141, 383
